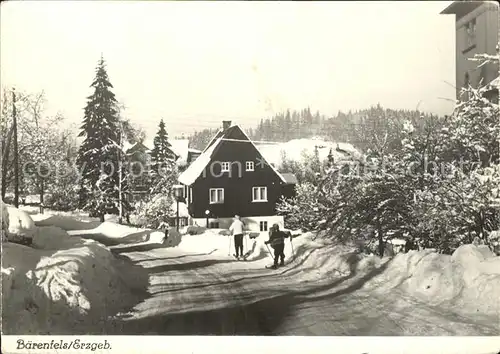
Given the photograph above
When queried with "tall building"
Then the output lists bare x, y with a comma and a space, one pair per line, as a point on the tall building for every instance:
476, 24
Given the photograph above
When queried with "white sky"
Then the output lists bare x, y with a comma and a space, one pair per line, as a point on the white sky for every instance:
195, 63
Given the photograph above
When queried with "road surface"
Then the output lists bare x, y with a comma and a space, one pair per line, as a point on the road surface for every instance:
210, 294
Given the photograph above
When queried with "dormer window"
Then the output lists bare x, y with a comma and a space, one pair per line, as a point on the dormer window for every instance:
225, 166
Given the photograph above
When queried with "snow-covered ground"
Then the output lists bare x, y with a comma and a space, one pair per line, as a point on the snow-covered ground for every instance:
67, 277
326, 289
61, 282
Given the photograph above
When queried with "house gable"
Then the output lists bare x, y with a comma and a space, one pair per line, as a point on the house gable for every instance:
209, 157
246, 192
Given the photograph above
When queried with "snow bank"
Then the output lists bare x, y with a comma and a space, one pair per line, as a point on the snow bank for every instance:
64, 222
50, 290
113, 234
20, 224
468, 280
53, 238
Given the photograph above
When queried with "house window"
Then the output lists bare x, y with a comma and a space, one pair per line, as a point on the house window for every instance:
225, 166
470, 34
190, 194
216, 195
259, 194
249, 166
263, 226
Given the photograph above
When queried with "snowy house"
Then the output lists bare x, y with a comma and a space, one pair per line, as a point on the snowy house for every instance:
476, 32
180, 148
232, 177
140, 154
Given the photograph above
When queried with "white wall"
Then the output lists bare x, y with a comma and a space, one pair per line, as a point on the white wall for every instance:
252, 223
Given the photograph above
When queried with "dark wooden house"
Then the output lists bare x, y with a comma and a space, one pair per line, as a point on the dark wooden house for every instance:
231, 177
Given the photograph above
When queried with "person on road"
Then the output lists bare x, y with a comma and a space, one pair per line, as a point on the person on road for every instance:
277, 241
236, 229
164, 226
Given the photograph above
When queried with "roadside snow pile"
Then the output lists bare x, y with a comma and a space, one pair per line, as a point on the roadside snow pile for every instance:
113, 234
53, 238
65, 281
63, 221
469, 279
209, 240
21, 227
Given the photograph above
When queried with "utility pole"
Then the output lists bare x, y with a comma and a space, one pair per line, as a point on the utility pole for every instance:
16, 153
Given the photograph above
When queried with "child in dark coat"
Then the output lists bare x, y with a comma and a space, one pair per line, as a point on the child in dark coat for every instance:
277, 242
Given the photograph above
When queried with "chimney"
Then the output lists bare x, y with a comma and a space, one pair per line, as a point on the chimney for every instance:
226, 124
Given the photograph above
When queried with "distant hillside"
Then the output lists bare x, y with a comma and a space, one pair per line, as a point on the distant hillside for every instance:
363, 129
298, 149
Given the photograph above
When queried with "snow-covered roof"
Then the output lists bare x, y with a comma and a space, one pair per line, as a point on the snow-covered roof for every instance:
190, 175
180, 147
290, 178
196, 168
127, 146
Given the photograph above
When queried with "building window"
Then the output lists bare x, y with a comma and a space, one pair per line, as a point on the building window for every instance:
470, 34
216, 195
249, 166
259, 194
224, 166
190, 194
263, 226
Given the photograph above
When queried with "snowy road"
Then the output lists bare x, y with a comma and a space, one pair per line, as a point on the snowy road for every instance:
208, 293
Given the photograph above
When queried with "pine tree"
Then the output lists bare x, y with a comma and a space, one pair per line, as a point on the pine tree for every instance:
163, 161
98, 155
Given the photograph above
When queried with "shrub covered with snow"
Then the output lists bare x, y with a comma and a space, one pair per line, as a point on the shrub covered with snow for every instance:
153, 212
195, 230
174, 238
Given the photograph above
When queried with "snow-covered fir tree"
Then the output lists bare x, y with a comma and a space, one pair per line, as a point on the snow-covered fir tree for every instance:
163, 168
161, 153
98, 154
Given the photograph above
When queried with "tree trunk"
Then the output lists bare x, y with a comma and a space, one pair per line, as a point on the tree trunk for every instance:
41, 194
381, 244
5, 158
